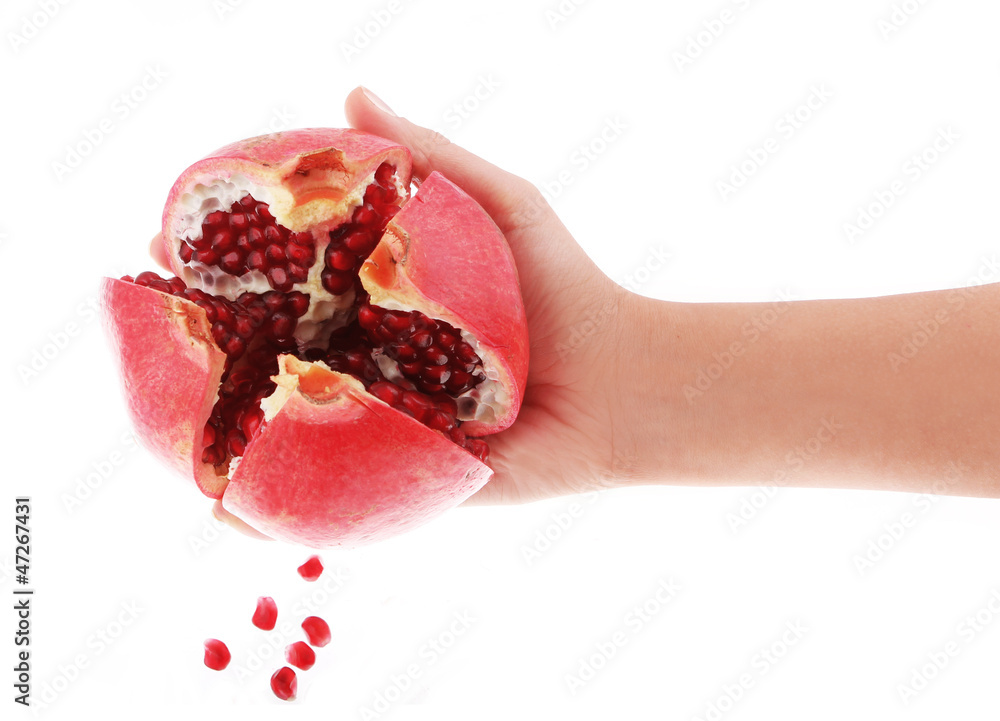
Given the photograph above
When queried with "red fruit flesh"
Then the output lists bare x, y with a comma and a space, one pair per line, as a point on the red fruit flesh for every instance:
300, 655
312, 569
266, 614
317, 631
325, 334
284, 684
217, 654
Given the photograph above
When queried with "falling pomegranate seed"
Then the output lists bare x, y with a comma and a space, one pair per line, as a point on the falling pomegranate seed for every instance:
266, 614
317, 631
300, 655
284, 684
311, 569
217, 654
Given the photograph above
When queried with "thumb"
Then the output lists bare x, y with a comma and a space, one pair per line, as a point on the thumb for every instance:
511, 201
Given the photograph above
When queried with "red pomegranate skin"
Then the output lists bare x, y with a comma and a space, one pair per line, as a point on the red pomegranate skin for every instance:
332, 465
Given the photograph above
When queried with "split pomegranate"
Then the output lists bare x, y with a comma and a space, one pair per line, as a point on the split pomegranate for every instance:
331, 354
217, 655
284, 684
300, 655
317, 631
312, 569
266, 614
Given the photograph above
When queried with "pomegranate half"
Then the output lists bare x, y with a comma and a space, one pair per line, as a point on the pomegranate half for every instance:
331, 352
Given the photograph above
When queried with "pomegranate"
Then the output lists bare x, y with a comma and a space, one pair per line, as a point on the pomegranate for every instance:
331, 353
300, 655
284, 684
312, 569
217, 655
317, 631
265, 616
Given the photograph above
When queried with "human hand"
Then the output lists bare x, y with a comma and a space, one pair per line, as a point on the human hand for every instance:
563, 440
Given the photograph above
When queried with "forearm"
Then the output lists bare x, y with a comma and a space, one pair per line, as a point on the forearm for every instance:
894, 393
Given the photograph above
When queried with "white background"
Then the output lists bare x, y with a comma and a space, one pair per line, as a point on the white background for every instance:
140, 538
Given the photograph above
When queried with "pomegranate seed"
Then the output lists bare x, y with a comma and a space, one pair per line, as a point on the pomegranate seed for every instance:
317, 631
436, 374
284, 684
361, 242
441, 421
217, 655
266, 614
341, 260
337, 283
387, 392
216, 217
368, 317
300, 655
311, 569
239, 222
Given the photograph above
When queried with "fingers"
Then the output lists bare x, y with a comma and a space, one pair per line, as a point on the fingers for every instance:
511, 201
158, 252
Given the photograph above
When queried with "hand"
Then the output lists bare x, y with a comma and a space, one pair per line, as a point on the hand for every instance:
562, 441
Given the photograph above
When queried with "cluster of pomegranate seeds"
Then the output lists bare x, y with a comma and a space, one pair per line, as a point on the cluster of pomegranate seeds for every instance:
431, 353
264, 324
353, 241
435, 363
266, 615
284, 684
312, 569
437, 412
245, 238
317, 631
217, 655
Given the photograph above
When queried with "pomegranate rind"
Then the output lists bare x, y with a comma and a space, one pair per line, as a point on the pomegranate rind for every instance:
313, 174
336, 467
443, 255
170, 369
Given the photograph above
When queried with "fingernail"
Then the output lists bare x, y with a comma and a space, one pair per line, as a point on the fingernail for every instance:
377, 102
